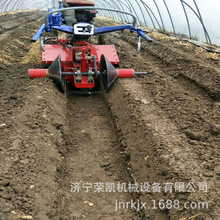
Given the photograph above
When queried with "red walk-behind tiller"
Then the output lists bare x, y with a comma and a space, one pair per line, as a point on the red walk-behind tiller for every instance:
74, 63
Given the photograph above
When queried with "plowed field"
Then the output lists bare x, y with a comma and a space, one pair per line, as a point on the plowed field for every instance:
157, 135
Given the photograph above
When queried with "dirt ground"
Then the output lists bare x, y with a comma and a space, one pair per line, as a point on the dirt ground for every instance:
162, 128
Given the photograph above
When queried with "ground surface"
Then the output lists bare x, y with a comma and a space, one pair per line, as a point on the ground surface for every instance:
160, 128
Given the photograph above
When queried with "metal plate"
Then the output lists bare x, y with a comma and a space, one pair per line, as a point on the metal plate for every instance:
84, 29
52, 51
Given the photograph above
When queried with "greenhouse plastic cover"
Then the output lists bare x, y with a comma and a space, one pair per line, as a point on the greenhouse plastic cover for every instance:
194, 19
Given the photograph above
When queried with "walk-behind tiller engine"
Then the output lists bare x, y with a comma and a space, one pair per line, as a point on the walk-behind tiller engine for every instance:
74, 63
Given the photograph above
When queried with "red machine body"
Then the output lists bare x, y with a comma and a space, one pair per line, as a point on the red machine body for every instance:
78, 57
74, 63
67, 56
80, 67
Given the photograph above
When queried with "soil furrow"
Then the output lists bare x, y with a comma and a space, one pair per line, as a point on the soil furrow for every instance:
93, 154
160, 128
179, 64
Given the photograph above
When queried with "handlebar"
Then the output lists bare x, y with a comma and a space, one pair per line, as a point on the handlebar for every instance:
143, 35
38, 34
88, 8
47, 26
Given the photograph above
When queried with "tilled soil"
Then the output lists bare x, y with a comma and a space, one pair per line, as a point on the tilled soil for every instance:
160, 128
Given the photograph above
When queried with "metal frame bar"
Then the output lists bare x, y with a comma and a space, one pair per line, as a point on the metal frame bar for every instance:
161, 19
107, 5
127, 6
146, 9
171, 20
187, 19
121, 15
122, 9
96, 8
141, 12
104, 12
112, 6
208, 40
152, 14
132, 9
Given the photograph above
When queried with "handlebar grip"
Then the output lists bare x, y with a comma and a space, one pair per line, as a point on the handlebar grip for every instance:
38, 34
143, 35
